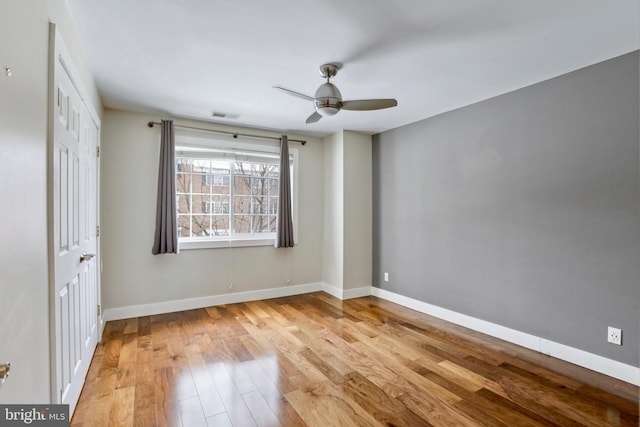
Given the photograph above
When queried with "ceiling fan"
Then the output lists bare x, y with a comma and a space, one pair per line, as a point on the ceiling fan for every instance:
328, 99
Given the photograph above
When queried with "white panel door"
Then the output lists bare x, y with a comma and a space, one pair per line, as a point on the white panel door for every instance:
74, 244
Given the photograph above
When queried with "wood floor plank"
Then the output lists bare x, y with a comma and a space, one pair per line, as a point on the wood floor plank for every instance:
287, 415
260, 409
244, 379
605, 405
220, 420
436, 412
314, 360
130, 326
532, 394
191, 413
384, 408
145, 398
235, 406
400, 370
167, 408
326, 406
144, 326
123, 407
289, 349
145, 349
205, 387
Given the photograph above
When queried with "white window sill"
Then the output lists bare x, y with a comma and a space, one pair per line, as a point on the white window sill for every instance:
217, 244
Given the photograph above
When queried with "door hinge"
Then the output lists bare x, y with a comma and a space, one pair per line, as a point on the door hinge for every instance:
97, 231
98, 151
99, 309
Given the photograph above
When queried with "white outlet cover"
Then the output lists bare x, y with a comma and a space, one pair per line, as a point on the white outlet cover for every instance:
614, 335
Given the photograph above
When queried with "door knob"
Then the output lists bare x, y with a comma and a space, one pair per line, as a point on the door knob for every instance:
4, 372
86, 257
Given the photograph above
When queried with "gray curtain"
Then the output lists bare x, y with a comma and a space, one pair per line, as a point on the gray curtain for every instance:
284, 227
166, 235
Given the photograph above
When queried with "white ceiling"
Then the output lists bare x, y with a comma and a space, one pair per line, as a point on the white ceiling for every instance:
194, 57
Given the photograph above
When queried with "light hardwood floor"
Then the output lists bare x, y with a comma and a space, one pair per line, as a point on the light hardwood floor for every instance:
315, 360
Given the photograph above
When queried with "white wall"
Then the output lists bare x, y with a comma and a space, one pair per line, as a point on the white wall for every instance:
24, 305
347, 241
133, 276
333, 243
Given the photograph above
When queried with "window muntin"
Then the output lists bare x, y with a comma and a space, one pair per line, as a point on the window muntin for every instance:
226, 194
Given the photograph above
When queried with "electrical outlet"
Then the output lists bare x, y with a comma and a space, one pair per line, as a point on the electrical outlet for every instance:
614, 335
386, 276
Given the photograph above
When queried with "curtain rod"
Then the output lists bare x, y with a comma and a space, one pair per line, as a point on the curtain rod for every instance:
234, 134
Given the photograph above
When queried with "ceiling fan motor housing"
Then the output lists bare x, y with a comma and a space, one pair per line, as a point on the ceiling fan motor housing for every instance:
328, 99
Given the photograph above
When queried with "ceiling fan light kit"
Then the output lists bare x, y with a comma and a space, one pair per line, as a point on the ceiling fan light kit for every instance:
328, 99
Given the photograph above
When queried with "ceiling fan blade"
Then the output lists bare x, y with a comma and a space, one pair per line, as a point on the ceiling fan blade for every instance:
368, 104
313, 117
294, 93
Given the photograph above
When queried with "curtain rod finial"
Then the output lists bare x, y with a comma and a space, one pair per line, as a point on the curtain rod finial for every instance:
150, 124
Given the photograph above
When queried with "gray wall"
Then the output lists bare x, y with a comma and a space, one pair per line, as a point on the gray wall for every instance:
522, 210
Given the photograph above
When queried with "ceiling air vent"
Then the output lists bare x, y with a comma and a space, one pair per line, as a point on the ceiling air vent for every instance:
225, 116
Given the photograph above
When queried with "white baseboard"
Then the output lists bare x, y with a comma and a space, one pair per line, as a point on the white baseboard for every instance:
612, 368
209, 301
346, 293
101, 323
192, 303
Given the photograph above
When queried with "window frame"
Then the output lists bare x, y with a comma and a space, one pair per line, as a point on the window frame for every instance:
202, 145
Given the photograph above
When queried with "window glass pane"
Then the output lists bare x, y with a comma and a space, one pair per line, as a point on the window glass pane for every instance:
242, 168
259, 205
219, 181
201, 165
273, 187
256, 183
224, 199
200, 203
263, 224
183, 182
183, 165
220, 167
197, 184
242, 205
184, 226
216, 207
242, 184
242, 223
183, 203
272, 171
273, 206
220, 225
200, 225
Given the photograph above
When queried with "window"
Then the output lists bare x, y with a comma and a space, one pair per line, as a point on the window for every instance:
227, 193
